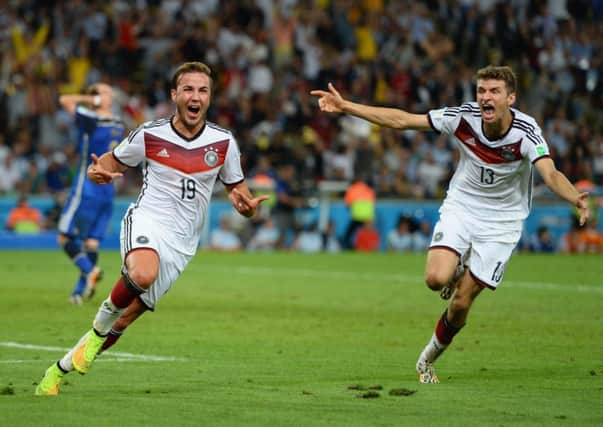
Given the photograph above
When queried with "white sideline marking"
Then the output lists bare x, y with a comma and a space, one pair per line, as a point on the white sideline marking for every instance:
118, 356
374, 275
112, 359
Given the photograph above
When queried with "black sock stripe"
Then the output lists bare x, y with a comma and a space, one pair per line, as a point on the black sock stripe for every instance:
131, 284
65, 371
116, 333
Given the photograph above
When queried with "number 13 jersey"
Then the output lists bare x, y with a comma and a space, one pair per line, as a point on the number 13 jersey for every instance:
493, 179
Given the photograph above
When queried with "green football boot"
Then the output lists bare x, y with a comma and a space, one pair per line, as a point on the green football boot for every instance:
86, 352
49, 386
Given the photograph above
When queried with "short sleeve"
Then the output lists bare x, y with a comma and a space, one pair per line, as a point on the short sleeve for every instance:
444, 120
534, 145
231, 172
131, 150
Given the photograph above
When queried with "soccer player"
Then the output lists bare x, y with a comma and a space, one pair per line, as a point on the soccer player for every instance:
182, 156
88, 209
488, 197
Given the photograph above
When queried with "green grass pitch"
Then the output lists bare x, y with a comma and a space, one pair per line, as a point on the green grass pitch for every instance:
278, 339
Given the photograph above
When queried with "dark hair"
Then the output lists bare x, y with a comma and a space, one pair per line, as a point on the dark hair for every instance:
92, 89
504, 73
190, 67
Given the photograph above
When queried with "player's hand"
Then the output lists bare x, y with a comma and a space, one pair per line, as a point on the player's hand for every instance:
98, 174
583, 208
330, 101
244, 204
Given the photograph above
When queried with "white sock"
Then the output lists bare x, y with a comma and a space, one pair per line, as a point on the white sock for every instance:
432, 350
106, 316
65, 363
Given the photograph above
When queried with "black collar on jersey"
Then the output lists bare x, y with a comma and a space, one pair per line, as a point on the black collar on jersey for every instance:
184, 137
504, 134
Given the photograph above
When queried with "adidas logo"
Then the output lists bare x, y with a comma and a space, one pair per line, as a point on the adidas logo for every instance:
163, 153
470, 141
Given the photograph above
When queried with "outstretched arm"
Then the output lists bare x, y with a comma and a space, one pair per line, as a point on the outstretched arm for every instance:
558, 183
333, 102
242, 199
105, 168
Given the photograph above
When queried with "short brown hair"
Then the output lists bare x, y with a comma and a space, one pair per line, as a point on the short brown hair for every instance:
190, 67
92, 89
504, 73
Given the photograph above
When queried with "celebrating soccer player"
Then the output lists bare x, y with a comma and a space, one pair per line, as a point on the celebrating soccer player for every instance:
182, 156
489, 196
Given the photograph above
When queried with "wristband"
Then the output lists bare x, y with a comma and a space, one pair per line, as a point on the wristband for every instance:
96, 100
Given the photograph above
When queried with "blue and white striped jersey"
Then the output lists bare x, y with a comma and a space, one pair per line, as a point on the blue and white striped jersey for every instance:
96, 135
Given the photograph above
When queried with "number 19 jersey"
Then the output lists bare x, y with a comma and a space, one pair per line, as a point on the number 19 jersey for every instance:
179, 174
493, 179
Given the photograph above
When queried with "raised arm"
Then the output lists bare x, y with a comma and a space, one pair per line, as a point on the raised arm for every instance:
242, 200
98, 96
558, 183
105, 168
69, 102
333, 102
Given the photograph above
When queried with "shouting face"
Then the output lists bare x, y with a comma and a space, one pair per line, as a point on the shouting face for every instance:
192, 98
494, 101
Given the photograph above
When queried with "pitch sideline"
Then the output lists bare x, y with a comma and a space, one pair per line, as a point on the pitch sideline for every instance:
117, 355
372, 275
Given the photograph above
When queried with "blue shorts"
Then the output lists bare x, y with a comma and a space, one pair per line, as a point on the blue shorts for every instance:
85, 217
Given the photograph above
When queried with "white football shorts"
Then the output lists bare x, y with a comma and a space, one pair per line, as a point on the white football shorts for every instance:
138, 231
490, 243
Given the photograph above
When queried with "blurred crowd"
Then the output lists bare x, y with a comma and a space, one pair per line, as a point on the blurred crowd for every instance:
266, 55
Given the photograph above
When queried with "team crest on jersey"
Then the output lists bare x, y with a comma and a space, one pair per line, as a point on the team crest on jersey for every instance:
211, 158
507, 153
438, 236
142, 239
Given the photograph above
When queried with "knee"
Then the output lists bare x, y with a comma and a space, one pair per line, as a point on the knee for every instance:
61, 239
435, 280
142, 277
91, 245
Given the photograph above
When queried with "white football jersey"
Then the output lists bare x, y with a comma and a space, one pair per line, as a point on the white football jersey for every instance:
493, 179
179, 175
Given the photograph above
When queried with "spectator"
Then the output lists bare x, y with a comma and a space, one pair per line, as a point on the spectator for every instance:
308, 240
265, 238
24, 219
58, 176
367, 238
422, 237
330, 242
360, 199
288, 198
400, 239
542, 241
578, 240
223, 238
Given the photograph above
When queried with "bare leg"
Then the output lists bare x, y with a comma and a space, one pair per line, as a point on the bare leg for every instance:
449, 324
440, 267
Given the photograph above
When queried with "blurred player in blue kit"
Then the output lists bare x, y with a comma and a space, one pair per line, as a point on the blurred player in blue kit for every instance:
88, 209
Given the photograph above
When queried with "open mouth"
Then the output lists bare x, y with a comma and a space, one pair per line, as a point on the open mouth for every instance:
487, 111
193, 110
